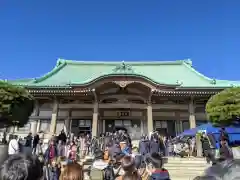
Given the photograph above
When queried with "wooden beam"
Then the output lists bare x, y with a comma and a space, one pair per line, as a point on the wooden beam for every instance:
124, 106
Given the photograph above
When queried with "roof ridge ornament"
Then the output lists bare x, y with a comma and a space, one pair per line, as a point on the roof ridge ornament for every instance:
188, 61
123, 68
178, 82
214, 81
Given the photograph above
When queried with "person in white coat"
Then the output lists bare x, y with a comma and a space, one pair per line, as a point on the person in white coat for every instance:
13, 146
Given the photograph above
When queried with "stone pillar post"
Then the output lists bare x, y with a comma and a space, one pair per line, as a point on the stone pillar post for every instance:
95, 120
37, 114
149, 118
34, 123
38, 125
191, 109
33, 127
67, 122
177, 123
142, 126
54, 117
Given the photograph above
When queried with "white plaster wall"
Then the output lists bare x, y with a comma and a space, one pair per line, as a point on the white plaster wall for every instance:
171, 114
45, 126
60, 126
45, 113
46, 106
63, 113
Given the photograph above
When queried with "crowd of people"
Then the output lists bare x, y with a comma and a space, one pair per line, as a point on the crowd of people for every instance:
111, 156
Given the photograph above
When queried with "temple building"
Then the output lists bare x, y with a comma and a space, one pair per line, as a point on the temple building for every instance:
96, 97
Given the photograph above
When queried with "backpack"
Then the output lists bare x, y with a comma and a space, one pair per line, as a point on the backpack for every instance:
109, 173
96, 174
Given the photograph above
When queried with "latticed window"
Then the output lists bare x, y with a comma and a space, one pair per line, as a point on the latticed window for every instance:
185, 125
81, 122
161, 124
118, 123
127, 123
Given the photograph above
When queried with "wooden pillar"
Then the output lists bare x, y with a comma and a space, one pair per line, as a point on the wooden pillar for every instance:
33, 126
54, 117
142, 126
198, 145
149, 118
38, 120
177, 123
34, 123
67, 122
192, 119
95, 120
38, 125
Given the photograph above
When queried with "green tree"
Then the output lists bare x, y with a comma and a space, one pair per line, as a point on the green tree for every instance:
223, 109
16, 105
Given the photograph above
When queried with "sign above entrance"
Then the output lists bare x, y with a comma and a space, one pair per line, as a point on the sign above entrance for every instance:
123, 69
123, 113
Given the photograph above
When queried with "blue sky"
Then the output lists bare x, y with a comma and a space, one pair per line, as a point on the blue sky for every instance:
34, 33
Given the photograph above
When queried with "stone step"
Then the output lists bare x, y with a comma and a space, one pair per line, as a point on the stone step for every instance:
193, 169
176, 172
185, 168
184, 160
186, 165
183, 175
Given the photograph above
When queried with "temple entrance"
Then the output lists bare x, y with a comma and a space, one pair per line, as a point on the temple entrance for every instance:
165, 128
133, 127
81, 126
162, 131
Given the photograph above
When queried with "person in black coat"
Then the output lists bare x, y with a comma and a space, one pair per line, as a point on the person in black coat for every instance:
35, 143
27, 149
223, 136
114, 149
154, 146
63, 137
206, 147
225, 151
144, 146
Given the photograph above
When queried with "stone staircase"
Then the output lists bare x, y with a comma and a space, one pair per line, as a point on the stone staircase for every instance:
185, 168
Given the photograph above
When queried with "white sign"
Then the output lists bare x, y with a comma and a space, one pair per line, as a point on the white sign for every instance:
202, 131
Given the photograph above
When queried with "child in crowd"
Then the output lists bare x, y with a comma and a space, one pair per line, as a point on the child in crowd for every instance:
52, 170
154, 167
72, 153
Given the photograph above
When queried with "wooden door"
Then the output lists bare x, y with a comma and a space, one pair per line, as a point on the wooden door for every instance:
109, 125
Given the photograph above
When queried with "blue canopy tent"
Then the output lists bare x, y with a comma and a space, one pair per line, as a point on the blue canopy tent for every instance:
233, 132
209, 128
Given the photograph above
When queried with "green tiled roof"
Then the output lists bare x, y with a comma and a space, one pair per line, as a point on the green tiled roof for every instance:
21, 81
181, 72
